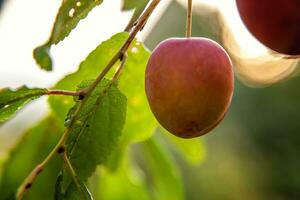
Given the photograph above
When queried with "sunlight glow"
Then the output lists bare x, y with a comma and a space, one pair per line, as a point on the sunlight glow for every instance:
249, 45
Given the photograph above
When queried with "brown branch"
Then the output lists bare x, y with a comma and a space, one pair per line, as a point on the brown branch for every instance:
62, 92
138, 26
27, 183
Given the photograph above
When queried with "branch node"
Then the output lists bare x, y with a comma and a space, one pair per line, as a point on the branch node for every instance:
39, 169
81, 94
143, 26
121, 57
61, 149
28, 186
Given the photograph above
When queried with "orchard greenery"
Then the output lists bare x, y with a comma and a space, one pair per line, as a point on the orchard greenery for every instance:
99, 118
100, 139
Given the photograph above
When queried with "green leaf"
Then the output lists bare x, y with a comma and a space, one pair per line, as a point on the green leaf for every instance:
82, 192
127, 183
58, 193
11, 101
165, 179
140, 123
31, 149
69, 14
95, 133
103, 117
88, 69
151, 175
42, 57
138, 5
134, 4
193, 150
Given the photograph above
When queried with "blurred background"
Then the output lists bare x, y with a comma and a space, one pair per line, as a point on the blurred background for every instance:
252, 154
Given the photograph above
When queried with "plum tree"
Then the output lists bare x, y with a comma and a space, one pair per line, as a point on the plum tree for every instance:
275, 23
189, 85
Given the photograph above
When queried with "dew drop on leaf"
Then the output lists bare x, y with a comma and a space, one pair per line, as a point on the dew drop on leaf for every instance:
134, 50
71, 12
67, 123
78, 3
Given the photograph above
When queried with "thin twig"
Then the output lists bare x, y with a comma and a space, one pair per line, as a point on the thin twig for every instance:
188, 32
59, 148
137, 12
39, 168
72, 172
62, 92
82, 189
70, 168
120, 68
138, 26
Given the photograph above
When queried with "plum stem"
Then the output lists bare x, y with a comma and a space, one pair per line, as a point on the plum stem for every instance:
188, 32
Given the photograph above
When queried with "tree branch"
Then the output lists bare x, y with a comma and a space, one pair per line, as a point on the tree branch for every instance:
120, 55
138, 26
62, 92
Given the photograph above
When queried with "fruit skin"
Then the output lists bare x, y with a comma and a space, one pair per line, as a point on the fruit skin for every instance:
275, 23
189, 85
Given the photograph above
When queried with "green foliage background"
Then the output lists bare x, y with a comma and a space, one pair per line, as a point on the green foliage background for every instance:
253, 154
